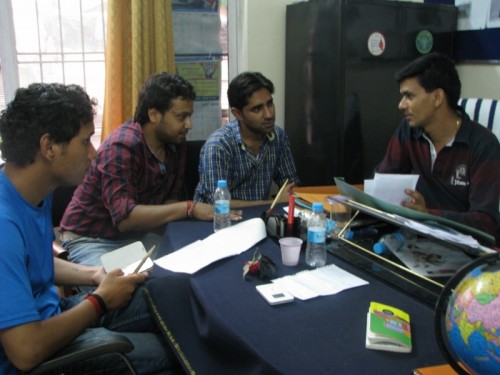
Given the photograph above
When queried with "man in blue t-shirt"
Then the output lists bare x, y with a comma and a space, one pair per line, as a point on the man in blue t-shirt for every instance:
45, 140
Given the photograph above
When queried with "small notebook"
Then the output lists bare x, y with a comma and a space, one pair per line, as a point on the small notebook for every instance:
388, 328
127, 258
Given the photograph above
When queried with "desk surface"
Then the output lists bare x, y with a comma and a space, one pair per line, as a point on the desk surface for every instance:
217, 322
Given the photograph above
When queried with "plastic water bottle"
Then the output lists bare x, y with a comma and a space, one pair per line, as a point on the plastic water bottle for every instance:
222, 203
316, 237
391, 241
303, 226
362, 233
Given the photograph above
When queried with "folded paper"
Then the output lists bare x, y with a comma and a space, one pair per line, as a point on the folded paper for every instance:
222, 244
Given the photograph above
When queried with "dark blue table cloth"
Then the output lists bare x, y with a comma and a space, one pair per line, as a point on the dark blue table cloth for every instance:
216, 322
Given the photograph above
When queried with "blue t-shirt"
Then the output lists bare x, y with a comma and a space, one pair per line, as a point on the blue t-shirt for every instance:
27, 290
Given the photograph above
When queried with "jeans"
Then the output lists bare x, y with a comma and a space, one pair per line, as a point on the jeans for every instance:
149, 356
88, 250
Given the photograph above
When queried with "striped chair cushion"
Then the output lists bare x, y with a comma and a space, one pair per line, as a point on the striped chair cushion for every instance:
484, 111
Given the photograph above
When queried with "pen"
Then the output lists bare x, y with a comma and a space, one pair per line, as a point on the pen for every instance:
277, 197
148, 254
291, 209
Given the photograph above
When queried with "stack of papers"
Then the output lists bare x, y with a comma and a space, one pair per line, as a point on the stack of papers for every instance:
222, 244
323, 281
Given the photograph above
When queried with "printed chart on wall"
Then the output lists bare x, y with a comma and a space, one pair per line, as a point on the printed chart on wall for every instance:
197, 27
198, 51
204, 73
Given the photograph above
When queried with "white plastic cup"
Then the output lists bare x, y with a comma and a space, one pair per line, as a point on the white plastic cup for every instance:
290, 250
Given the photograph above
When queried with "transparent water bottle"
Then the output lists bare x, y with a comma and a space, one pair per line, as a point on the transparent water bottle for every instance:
303, 226
362, 233
222, 203
316, 237
392, 242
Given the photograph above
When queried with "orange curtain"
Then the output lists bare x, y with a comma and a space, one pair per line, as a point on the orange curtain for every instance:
139, 42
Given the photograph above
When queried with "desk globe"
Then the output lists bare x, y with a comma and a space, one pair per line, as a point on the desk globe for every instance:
467, 317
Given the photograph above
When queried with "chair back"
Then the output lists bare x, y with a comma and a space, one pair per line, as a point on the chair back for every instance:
192, 176
484, 111
62, 197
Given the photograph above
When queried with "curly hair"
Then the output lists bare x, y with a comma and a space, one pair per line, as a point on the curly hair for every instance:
434, 71
244, 85
158, 92
42, 108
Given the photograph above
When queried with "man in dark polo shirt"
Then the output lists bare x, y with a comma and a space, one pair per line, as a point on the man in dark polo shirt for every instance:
458, 160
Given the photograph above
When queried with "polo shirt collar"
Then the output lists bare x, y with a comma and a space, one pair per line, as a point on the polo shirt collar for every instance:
463, 132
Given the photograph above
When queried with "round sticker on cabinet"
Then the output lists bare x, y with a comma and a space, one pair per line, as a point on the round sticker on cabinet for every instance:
376, 44
424, 41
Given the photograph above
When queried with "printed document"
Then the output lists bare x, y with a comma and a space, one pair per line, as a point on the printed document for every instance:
222, 244
323, 281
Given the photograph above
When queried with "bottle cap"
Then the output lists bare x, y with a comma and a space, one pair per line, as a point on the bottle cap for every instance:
317, 207
379, 248
349, 235
222, 183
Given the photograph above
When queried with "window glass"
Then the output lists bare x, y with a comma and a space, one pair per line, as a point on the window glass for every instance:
64, 41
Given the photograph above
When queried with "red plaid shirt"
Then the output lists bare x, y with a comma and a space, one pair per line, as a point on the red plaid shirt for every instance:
126, 173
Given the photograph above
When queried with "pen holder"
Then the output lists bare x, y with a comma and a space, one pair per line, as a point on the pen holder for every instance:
277, 226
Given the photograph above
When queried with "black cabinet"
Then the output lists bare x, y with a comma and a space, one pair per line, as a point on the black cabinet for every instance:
341, 96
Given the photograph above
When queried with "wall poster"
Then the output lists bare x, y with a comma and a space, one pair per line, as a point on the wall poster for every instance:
198, 53
204, 73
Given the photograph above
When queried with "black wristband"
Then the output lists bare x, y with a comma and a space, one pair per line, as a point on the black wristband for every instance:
102, 304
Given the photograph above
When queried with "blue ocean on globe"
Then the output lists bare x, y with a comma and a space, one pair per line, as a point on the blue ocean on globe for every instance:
473, 321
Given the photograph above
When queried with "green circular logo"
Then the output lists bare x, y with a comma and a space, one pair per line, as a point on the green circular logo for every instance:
424, 41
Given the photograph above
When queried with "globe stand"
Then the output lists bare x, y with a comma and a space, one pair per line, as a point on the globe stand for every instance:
441, 310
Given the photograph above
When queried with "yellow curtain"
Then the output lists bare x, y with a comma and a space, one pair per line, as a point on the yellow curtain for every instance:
139, 42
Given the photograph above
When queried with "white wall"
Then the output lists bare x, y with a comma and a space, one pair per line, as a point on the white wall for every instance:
265, 34
265, 20
480, 80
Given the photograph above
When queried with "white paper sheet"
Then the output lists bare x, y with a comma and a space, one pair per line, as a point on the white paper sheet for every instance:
323, 281
431, 258
222, 244
447, 234
391, 187
127, 258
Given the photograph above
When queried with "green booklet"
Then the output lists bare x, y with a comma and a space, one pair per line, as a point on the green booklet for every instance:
388, 328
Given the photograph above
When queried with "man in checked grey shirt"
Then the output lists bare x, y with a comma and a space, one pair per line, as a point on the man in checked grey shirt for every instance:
250, 152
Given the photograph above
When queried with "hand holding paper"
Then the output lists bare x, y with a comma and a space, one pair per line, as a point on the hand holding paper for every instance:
391, 187
130, 259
